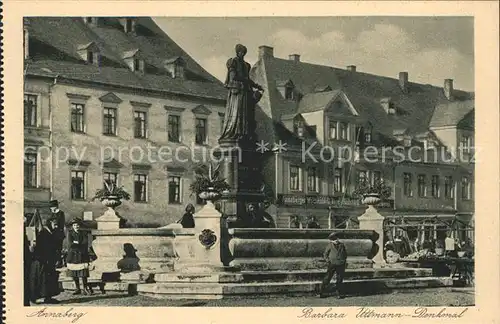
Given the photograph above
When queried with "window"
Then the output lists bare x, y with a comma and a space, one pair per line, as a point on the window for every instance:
407, 185
466, 144
139, 124
109, 121
466, 192
289, 93
174, 128
313, 130
30, 107
110, 178
343, 131
333, 130
368, 134
30, 170
295, 178
77, 124
137, 64
362, 178
312, 179
201, 131
298, 128
140, 187
421, 185
449, 191
77, 185
435, 186
337, 180
90, 57
376, 177
174, 190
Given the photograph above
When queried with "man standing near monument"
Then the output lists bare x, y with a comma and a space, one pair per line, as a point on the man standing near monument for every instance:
336, 255
239, 122
60, 219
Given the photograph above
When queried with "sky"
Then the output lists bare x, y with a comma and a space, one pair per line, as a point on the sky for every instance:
430, 49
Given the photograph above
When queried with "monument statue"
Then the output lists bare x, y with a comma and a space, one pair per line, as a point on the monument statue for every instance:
243, 95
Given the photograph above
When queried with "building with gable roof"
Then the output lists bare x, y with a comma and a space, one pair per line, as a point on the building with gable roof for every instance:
99, 94
321, 110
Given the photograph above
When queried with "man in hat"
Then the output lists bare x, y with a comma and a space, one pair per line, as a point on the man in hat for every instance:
60, 219
336, 255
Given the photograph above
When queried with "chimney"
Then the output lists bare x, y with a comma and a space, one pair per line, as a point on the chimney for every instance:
294, 57
266, 52
448, 89
403, 81
351, 68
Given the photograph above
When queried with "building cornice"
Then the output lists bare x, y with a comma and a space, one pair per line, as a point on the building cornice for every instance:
133, 90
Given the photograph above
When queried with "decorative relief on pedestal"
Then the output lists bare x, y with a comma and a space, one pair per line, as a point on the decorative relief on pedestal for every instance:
207, 238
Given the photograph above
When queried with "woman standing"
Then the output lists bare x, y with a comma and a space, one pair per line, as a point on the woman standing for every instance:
78, 259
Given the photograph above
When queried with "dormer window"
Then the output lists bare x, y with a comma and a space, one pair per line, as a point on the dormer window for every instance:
287, 90
298, 128
134, 60
128, 24
388, 106
175, 66
90, 21
368, 133
90, 53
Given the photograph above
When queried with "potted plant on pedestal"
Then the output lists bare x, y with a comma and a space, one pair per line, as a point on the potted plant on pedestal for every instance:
371, 195
208, 183
111, 196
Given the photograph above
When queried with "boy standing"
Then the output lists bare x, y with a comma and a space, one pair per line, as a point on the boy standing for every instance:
336, 255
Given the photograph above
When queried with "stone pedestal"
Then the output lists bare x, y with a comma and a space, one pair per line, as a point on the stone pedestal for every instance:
372, 220
206, 245
241, 167
108, 221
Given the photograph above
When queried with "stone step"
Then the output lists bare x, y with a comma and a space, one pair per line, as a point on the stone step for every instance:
291, 264
217, 291
289, 276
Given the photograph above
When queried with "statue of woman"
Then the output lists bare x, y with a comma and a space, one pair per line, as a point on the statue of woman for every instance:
239, 122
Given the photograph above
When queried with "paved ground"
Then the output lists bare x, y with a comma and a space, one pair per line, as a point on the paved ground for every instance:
421, 297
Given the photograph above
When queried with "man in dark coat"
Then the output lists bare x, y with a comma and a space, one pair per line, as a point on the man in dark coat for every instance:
44, 278
28, 250
60, 219
336, 256
187, 220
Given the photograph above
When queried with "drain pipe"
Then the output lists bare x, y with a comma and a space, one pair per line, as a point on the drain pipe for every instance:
51, 168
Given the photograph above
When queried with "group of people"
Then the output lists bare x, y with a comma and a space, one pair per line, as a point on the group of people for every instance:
256, 217
43, 255
311, 222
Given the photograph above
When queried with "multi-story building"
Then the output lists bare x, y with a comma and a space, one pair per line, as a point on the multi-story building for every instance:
114, 100
394, 130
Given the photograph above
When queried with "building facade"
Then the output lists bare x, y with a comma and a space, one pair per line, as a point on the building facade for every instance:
343, 128
114, 100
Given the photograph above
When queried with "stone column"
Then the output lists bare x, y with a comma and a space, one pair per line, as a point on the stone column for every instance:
372, 220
